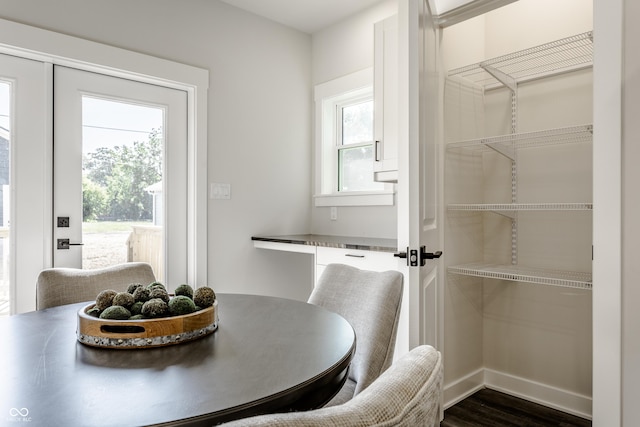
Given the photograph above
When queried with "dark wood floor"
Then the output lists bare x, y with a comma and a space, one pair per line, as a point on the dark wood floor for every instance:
489, 408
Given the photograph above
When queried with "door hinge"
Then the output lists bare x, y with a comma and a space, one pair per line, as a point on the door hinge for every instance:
417, 258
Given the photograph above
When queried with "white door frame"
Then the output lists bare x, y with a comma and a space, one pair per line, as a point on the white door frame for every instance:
607, 214
59, 49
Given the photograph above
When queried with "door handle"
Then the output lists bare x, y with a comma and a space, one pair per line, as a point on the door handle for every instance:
417, 258
65, 244
429, 255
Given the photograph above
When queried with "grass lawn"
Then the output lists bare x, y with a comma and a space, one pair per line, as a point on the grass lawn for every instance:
110, 226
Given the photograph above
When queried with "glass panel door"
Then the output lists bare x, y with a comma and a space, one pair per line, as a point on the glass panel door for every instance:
24, 178
119, 151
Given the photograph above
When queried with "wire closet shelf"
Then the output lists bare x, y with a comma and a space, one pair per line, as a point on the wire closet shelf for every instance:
559, 56
565, 135
521, 274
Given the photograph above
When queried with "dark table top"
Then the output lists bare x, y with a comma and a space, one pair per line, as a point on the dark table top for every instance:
268, 355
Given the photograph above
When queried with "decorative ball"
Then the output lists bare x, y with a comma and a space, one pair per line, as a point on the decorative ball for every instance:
153, 285
115, 312
204, 297
159, 293
155, 307
185, 290
141, 294
132, 287
136, 308
125, 299
181, 304
105, 299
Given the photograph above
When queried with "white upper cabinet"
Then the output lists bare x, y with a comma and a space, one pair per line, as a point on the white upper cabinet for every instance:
385, 92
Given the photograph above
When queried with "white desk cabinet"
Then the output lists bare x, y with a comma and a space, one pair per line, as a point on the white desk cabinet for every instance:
362, 259
363, 253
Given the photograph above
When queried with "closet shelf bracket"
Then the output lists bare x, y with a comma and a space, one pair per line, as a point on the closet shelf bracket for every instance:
503, 78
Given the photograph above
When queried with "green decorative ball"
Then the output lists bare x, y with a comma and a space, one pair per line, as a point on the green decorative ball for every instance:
153, 285
115, 312
136, 308
181, 304
185, 290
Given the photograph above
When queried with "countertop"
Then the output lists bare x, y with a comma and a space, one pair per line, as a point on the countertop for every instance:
344, 242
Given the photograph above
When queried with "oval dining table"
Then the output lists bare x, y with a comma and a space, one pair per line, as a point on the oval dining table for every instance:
267, 355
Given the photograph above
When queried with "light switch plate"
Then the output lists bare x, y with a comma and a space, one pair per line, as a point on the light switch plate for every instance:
220, 191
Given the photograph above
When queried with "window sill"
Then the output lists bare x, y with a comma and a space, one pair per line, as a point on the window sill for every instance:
364, 198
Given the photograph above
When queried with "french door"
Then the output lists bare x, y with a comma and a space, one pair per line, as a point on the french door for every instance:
24, 179
119, 152
72, 144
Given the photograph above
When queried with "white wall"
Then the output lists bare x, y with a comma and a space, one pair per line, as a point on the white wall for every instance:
337, 51
259, 118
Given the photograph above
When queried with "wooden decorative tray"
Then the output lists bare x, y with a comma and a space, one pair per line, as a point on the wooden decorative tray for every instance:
134, 334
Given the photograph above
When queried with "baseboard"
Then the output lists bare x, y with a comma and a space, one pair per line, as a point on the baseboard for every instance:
463, 388
544, 394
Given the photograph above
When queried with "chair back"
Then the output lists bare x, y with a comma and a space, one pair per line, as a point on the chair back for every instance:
370, 301
408, 394
59, 286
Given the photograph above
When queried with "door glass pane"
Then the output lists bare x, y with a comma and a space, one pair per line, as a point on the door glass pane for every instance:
5, 141
122, 167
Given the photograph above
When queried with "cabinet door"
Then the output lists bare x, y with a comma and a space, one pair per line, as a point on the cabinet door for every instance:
385, 93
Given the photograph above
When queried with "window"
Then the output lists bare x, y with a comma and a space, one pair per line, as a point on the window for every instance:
355, 146
345, 144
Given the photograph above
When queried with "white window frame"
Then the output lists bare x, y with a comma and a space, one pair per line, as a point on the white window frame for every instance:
60, 49
328, 97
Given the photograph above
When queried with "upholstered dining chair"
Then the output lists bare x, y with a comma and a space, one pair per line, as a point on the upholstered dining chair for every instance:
370, 301
58, 286
408, 394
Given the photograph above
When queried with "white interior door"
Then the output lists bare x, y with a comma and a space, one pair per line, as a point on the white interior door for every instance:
24, 168
125, 143
420, 172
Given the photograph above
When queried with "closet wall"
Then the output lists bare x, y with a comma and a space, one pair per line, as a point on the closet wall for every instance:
528, 339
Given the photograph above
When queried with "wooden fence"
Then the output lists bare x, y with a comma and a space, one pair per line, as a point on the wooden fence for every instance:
145, 244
